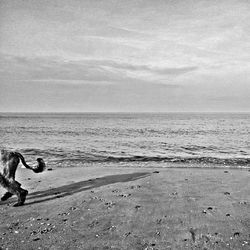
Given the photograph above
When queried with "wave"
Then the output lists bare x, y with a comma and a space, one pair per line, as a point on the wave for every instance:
204, 160
157, 159
59, 156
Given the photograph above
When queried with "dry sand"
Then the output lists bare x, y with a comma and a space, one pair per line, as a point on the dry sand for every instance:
129, 208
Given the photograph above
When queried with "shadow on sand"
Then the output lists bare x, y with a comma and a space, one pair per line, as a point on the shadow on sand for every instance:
77, 187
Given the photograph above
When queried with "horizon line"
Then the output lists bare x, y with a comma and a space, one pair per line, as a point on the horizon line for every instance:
114, 112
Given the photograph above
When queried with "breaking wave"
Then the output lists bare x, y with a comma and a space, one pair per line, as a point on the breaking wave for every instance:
62, 158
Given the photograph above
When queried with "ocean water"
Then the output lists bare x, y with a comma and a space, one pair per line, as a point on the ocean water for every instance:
122, 139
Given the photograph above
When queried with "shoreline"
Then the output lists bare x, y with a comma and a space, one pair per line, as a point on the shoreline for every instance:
129, 208
167, 165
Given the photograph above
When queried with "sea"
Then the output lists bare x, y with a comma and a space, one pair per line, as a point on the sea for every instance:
129, 139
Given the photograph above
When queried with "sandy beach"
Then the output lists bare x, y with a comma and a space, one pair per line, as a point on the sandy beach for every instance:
129, 208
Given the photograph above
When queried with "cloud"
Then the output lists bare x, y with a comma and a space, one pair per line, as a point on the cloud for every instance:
44, 68
158, 51
153, 69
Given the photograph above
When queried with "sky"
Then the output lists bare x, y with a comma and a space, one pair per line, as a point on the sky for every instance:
124, 55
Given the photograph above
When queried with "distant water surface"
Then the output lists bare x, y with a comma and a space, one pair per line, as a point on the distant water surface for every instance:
146, 139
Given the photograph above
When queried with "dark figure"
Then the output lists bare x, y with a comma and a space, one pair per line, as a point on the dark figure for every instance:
9, 161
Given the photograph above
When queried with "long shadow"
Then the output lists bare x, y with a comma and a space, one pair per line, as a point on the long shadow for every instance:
77, 187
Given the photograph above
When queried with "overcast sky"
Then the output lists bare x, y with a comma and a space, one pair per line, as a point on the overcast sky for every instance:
124, 55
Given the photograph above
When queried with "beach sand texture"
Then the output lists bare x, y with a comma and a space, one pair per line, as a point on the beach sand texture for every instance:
129, 208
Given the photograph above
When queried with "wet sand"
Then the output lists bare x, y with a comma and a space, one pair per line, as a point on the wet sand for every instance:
129, 208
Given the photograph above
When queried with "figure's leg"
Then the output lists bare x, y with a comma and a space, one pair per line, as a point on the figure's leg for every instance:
21, 195
4, 183
14, 187
6, 196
